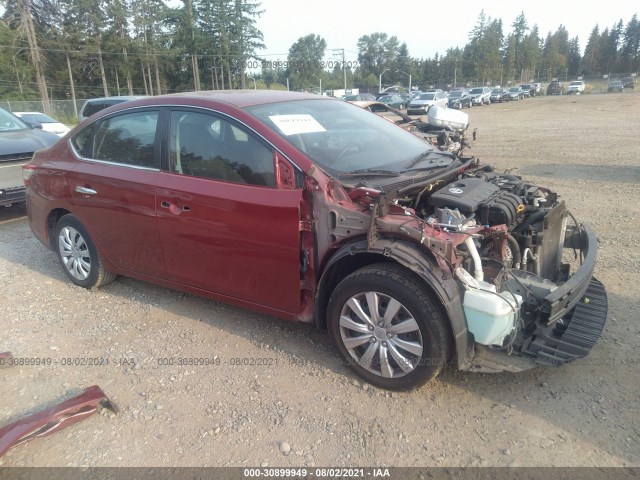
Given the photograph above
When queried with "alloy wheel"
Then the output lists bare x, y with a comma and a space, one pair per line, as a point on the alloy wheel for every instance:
381, 335
74, 253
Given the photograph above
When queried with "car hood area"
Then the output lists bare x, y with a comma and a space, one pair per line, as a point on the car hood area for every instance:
22, 141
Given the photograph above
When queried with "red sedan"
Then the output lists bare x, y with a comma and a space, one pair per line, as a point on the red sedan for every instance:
312, 209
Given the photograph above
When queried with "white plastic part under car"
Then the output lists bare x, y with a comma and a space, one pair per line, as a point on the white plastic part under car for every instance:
448, 118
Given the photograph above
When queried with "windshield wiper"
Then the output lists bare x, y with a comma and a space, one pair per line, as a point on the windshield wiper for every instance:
369, 172
434, 163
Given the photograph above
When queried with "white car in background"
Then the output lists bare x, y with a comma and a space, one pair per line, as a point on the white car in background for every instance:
48, 124
576, 86
480, 95
422, 102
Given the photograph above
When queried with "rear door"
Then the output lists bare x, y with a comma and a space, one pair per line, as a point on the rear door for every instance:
113, 188
225, 225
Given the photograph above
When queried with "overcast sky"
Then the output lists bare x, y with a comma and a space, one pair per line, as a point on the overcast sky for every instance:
426, 27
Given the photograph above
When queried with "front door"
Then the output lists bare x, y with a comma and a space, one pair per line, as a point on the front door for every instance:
225, 226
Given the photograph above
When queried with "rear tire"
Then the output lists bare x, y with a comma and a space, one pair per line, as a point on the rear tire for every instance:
78, 254
387, 328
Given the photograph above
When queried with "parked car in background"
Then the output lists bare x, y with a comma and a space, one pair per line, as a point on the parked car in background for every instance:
576, 86
314, 210
615, 86
499, 95
48, 124
628, 82
393, 100
18, 142
94, 105
359, 97
515, 93
555, 88
421, 104
459, 99
528, 89
480, 95
406, 97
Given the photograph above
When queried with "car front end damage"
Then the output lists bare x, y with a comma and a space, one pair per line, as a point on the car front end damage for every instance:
511, 267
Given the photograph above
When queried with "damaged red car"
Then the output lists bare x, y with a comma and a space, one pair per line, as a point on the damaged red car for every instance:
315, 210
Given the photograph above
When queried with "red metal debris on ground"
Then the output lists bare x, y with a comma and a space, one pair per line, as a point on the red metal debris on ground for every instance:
54, 418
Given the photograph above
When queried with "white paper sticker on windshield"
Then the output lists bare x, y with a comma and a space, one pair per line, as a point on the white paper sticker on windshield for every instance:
294, 124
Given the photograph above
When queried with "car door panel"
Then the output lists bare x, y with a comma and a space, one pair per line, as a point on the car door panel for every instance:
225, 227
113, 188
237, 240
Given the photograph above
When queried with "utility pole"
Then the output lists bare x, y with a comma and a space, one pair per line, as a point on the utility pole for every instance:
344, 65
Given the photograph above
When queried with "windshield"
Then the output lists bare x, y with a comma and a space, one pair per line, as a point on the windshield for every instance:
350, 97
9, 122
341, 137
514, 89
426, 96
575, 83
475, 91
455, 94
37, 117
497, 91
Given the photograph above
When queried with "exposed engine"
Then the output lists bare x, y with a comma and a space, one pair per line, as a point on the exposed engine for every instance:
512, 255
502, 241
484, 198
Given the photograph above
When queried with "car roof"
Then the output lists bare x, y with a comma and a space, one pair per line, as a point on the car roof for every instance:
116, 97
237, 98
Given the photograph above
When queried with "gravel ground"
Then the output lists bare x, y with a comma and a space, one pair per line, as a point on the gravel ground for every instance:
298, 406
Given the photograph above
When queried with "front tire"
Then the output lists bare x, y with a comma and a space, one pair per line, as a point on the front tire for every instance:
388, 328
78, 255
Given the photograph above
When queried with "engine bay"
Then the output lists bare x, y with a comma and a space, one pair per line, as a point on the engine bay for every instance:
510, 257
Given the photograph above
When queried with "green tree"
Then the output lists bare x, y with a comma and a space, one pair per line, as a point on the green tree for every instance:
591, 58
376, 53
575, 59
30, 18
305, 59
631, 45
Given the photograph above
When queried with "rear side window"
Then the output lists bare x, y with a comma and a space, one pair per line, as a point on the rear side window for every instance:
128, 139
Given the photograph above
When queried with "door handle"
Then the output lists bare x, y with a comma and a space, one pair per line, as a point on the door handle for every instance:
173, 208
85, 190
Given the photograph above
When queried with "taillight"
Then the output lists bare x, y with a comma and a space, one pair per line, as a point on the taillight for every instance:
27, 171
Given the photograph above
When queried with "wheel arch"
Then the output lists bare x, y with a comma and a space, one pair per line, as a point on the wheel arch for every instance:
441, 285
52, 220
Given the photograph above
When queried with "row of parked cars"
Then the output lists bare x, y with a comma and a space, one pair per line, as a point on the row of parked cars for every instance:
578, 86
418, 102
460, 98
